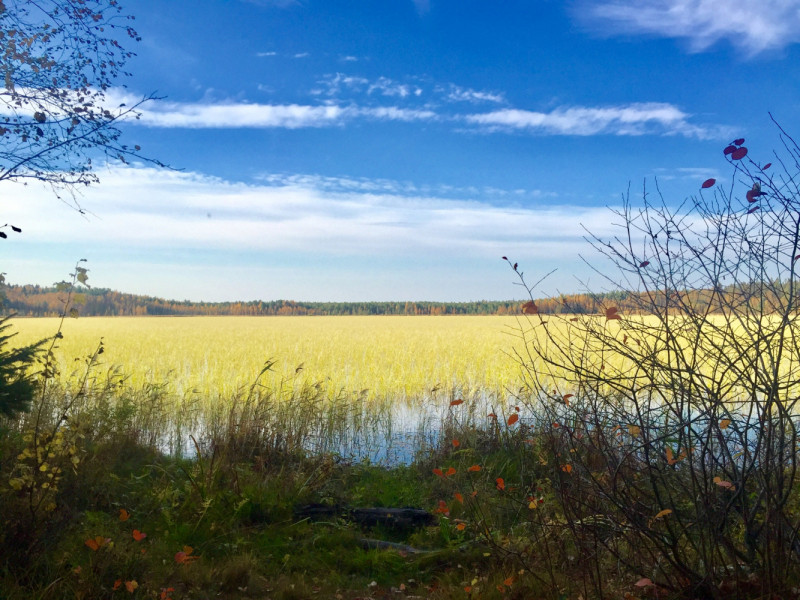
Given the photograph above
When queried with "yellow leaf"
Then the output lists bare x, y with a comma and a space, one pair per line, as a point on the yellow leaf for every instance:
663, 513
634, 430
723, 424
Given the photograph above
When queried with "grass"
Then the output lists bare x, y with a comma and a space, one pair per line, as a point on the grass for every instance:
390, 357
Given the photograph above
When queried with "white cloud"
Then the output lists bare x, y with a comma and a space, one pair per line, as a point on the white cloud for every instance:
629, 119
754, 26
388, 87
302, 55
459, 94
290, 116
262, 54
232, 115
150, 210
340, 82
349, 58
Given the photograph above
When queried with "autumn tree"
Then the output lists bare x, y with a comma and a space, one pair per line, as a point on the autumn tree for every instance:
59, 60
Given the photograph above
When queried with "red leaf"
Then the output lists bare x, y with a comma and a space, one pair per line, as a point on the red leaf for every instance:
752, 210
513, 419
643, 264
795, 258
492, 415
729, 150
501, 485
123, 514
529, 308
766, 166
180, 557
739, 142
450, 471
459, 497
456, 402
644, 582
505, 258
739, 153
611, 314
138, 535
438, 472
474, 468
456, 443
708, 183
751, 196
566, 398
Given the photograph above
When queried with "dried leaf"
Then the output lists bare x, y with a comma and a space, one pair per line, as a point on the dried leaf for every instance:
724, 423
456, 402
708, 183
513, 419
644, 582
501, 485
529, 308
739, 153
474, 468
663, 513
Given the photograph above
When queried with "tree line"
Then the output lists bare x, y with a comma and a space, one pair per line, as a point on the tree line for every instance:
40, 301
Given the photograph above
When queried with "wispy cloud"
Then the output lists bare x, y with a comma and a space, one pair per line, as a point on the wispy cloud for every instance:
151, 209
349, 58
754, 26
233, 115
384, 86
456, 93
302, 55
389, 87
629, 119
400, 188
262, 54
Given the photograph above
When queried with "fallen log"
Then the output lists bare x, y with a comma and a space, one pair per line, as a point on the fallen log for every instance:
396, 518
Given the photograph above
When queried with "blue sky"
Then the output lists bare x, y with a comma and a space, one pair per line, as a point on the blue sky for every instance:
395, 150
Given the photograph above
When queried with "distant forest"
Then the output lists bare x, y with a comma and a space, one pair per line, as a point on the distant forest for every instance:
37, 301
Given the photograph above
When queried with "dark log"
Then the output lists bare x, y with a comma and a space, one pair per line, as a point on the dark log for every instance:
397, 518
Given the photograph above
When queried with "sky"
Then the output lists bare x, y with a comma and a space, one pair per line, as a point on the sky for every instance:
354, 150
